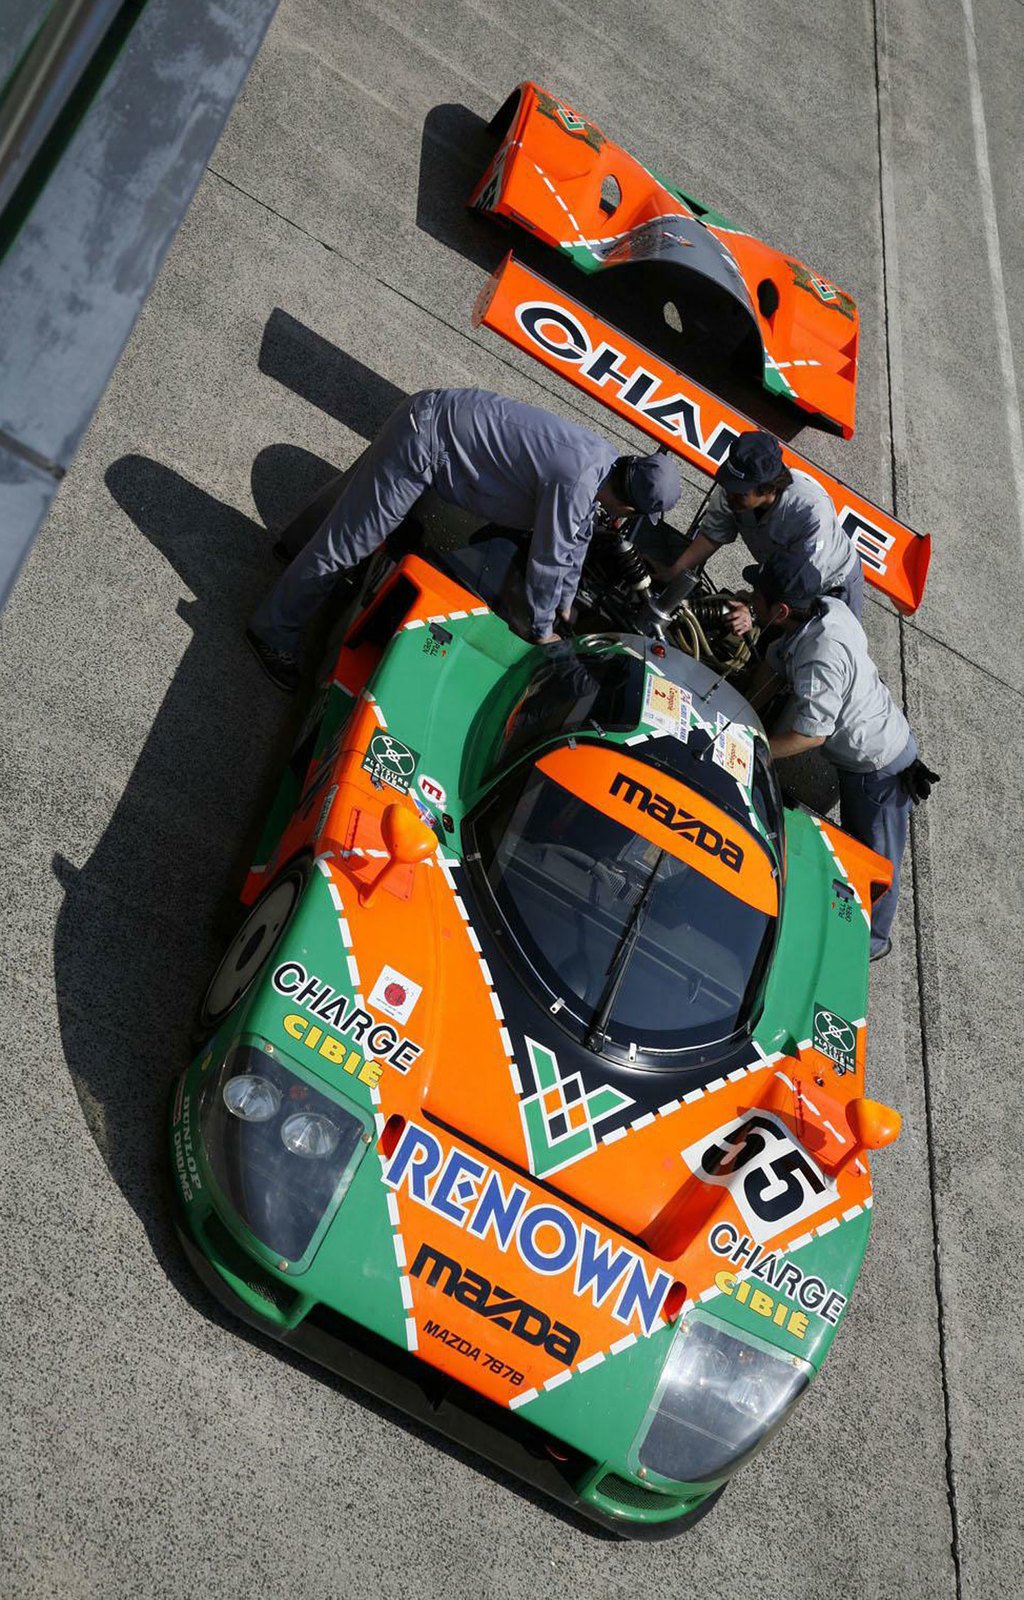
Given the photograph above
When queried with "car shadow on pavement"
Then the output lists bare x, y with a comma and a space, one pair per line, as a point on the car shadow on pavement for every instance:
140, 923
144, 921
645, 302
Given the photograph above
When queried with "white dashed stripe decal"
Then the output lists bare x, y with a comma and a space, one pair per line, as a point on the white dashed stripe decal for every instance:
586, 1365
580, 239
401, 1259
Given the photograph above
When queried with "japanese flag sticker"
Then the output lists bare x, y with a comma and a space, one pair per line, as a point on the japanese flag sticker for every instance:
395, 994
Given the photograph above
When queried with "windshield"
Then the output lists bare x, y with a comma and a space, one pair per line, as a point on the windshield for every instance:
641, 947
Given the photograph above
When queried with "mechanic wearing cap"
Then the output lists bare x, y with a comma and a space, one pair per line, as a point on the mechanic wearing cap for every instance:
839, 702
772, 508
506, 462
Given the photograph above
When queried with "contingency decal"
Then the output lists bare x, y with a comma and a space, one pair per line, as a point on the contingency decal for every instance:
734, 751
390, 762
826, 292
560, 1116
568, 120
394, 994
789, 1281
333, 1008
433, 792
836, 1038
773, 1183
669, 708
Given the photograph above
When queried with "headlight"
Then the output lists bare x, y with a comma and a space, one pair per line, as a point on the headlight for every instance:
722, 1394
251, 1098
281, 1153
310, 1135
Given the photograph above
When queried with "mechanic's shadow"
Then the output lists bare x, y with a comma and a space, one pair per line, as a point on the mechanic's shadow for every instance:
340, 385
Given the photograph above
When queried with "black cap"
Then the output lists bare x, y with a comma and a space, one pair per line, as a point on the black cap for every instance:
783, 578
754, 459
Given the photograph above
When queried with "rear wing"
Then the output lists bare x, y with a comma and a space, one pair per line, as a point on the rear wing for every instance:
679, 413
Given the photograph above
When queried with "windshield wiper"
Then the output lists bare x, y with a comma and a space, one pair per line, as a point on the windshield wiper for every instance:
620, 959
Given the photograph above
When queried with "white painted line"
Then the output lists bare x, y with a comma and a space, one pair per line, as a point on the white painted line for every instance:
623, 1344
995, 265
591, 1361
393, 1216
521, 1399
412, 1338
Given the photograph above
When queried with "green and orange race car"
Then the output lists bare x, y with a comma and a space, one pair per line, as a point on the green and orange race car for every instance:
532, 1090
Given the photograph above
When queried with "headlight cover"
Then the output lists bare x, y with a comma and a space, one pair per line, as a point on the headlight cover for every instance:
723, 1392
281, 1153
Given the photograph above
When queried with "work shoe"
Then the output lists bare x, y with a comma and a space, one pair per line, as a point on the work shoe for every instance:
881, 953
281, 668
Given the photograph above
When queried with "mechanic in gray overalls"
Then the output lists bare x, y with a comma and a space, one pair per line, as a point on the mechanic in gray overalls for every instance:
839, 702
506, 462
772, 508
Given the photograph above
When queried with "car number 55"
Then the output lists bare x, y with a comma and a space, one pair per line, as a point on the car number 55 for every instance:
773, 1182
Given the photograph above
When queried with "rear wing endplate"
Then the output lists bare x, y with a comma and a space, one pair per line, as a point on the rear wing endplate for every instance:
679, 413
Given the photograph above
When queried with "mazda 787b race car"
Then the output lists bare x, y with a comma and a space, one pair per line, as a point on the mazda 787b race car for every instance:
531, 1092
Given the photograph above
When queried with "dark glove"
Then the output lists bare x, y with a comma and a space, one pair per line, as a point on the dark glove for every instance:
917, 780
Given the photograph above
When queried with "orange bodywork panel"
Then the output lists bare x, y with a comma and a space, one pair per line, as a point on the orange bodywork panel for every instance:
680, 414
557, 175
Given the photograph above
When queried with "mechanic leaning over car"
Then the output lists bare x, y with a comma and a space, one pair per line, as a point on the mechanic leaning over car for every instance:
773, 509
509, 463
839, 702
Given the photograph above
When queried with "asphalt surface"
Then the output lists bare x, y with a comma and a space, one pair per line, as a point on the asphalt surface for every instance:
325, 269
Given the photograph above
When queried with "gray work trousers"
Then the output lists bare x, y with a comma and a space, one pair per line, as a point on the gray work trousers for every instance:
387, 482
875, 808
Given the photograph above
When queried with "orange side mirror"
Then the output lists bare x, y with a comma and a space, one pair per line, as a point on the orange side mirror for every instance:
408, 840
873, 1126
